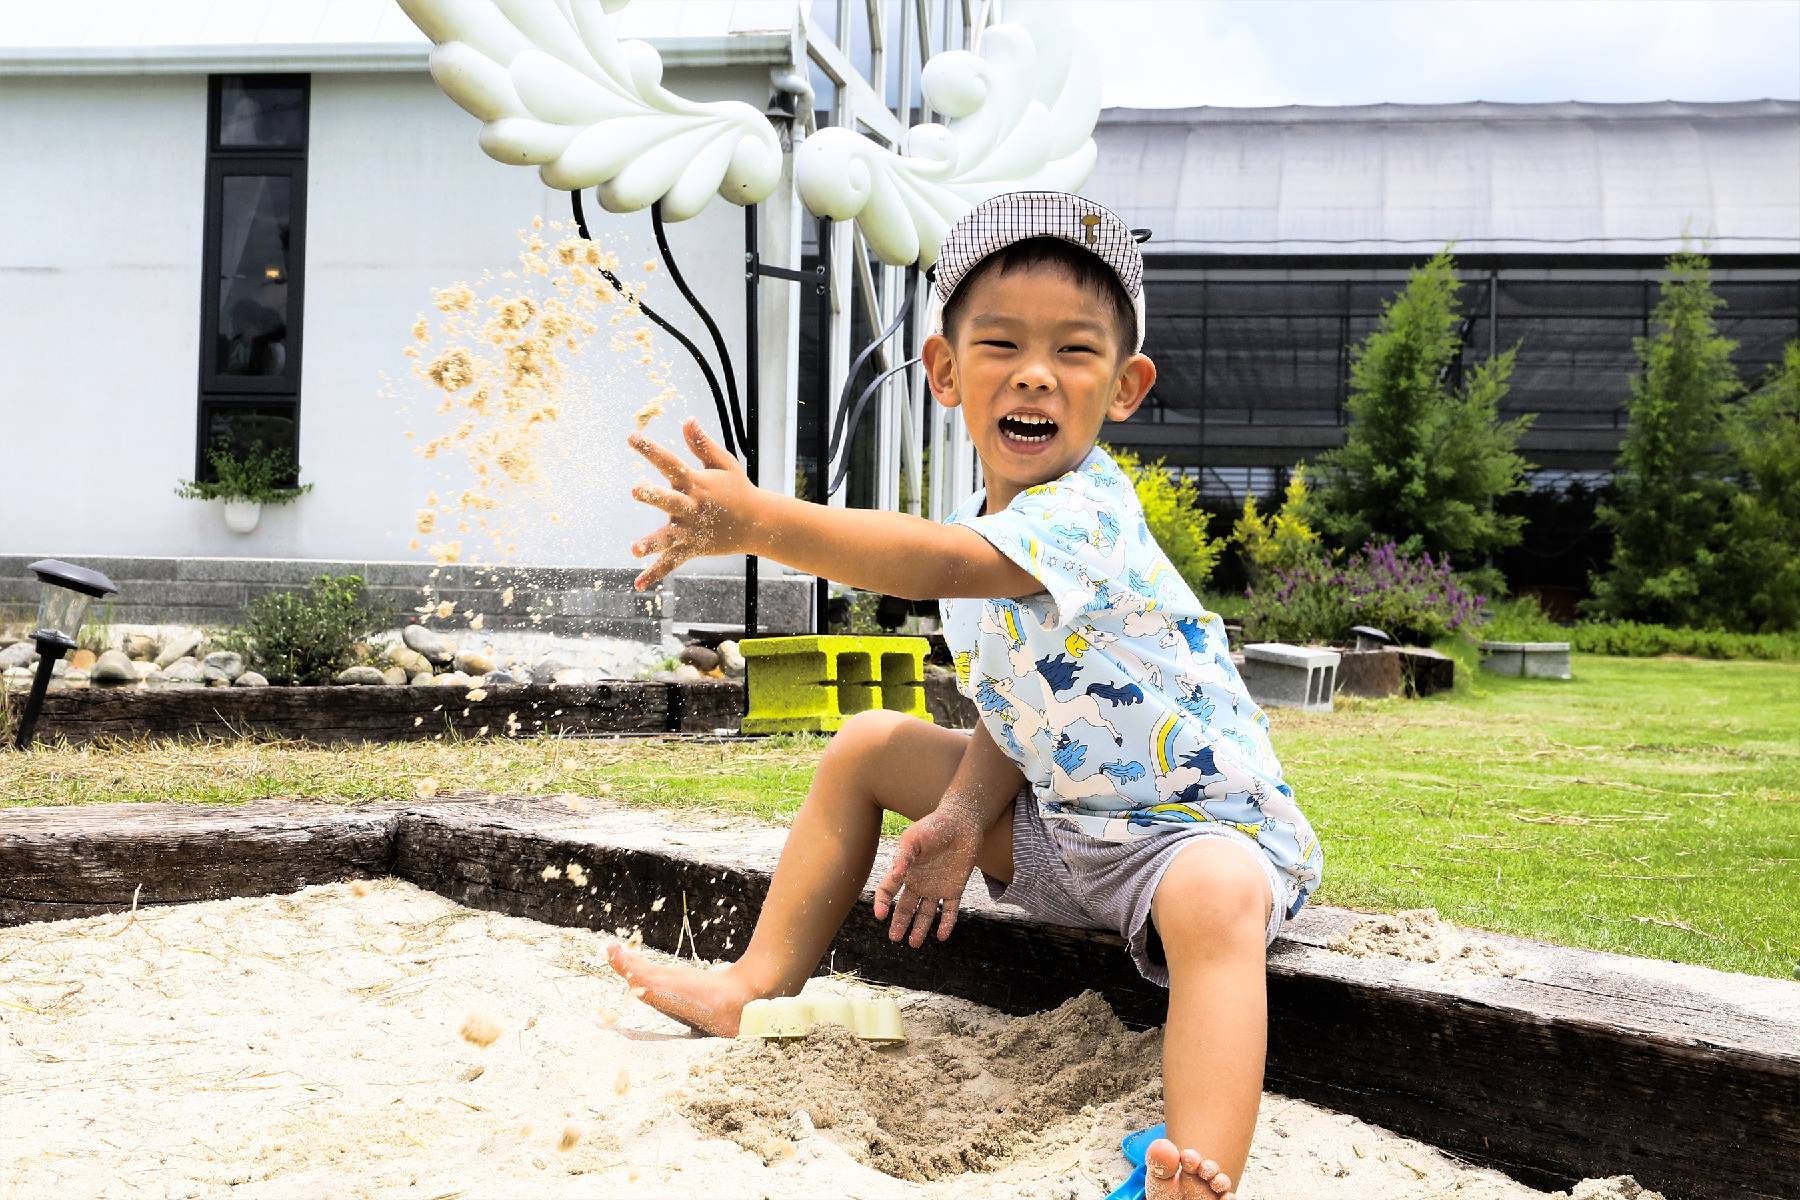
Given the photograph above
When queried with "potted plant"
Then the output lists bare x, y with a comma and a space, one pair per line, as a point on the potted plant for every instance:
246, 484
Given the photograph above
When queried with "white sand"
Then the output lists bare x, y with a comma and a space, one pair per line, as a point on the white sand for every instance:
308, 1046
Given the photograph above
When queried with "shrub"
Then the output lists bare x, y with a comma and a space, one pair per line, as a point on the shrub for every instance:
306, 637
1414, 600
1282, 542
1634, 639
1176, 521
260, 476
1518, 620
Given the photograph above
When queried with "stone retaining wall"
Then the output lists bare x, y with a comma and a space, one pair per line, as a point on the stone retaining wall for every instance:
571, 601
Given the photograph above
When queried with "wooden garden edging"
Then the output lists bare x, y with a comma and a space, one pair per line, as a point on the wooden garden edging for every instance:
338, 714
1597, 1064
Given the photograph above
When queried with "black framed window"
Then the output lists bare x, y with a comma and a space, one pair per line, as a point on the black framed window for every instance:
253, 272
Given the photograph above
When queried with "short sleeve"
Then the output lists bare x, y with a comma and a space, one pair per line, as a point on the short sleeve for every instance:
1055, 531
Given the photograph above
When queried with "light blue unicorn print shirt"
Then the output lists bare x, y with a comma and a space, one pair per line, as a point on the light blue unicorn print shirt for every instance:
1113, 690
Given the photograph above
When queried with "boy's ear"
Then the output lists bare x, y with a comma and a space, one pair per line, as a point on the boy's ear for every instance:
940, 370
1136, 378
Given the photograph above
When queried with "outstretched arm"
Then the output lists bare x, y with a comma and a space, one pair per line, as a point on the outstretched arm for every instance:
937, 855
714, 509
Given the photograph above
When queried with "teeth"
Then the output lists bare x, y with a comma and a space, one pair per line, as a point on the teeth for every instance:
1030, 421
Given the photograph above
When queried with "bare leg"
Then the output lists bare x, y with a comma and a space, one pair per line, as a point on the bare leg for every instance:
879, 761
1210, 909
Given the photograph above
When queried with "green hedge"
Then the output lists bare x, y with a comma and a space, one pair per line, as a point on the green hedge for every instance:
1632, 639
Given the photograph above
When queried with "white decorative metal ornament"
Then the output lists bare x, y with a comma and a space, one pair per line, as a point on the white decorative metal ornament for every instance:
556, 90
1021, 117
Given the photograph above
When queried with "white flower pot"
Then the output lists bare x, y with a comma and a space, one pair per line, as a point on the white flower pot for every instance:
241, 516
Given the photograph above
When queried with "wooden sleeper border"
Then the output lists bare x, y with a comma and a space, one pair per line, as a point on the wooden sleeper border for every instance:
1598, 1065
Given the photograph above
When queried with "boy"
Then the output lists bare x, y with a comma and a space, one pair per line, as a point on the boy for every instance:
1120, 771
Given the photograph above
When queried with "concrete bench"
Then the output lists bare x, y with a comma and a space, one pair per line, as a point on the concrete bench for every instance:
1527, 660
1285, 676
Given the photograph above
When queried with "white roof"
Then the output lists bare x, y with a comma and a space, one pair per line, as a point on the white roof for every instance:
1492, 178
144, 36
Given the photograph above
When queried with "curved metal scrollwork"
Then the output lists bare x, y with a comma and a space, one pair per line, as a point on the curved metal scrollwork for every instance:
731, 423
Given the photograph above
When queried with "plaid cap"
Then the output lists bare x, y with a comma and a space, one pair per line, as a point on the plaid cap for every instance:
997, 223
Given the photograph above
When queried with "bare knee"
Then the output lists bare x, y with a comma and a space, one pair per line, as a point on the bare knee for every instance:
1212, 895
864, 747
867, 734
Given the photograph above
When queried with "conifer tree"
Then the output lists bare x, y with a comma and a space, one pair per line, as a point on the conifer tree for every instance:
1760, 569
1422, 465
1671, 503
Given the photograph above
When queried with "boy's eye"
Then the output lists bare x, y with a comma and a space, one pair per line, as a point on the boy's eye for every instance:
1080, 349
995, 342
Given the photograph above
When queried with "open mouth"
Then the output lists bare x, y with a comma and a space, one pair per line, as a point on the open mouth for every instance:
1028, 430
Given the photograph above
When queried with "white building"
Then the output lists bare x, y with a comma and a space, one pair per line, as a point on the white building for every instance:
223, 219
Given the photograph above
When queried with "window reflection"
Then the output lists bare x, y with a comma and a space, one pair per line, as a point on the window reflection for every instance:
246, 429
251, 337
258, 112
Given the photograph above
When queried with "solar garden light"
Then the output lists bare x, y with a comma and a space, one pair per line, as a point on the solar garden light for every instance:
67, 592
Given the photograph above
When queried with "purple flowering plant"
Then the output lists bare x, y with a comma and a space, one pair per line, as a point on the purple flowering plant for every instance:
1416, 600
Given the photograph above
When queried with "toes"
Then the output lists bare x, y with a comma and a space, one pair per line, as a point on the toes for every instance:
1162, 1171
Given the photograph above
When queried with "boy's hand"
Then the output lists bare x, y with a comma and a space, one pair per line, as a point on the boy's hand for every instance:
925, 884
710, 508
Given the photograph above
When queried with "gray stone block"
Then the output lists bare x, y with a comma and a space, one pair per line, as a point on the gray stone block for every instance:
215, 593
280, 572
1528, 660
783, 604
1283, 676
394, 574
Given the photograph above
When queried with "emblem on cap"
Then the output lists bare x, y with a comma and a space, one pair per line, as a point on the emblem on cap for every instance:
1091, 220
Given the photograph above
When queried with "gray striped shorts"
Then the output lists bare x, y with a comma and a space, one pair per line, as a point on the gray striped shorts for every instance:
1064, 876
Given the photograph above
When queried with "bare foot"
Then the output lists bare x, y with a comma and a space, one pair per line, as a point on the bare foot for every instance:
709, 1001
1170, 1174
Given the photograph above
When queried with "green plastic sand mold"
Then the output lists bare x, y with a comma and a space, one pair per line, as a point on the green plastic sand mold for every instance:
812, 684
876, 1020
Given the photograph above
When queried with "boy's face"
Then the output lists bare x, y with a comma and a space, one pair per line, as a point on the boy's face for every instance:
1028, 345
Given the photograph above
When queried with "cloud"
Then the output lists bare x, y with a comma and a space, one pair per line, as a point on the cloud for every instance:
1162, 53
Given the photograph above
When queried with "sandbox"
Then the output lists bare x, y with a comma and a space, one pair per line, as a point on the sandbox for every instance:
1547, 1063
308, 1045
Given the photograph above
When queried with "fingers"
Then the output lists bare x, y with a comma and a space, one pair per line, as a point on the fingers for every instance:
889, 888
705, 449
946, 920
672, 468
654, 543
673, 503
904, 908
654, 573
927, 915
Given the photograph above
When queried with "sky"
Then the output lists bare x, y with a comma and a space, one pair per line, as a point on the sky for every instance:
1172, 53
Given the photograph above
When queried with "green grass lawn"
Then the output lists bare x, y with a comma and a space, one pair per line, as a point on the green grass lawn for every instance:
1649, 806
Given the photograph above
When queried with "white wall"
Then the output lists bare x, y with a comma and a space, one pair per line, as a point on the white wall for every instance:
100, 241
101, 198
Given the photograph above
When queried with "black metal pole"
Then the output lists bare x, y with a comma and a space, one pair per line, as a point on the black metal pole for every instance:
752, 437
49, 650
822, 400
